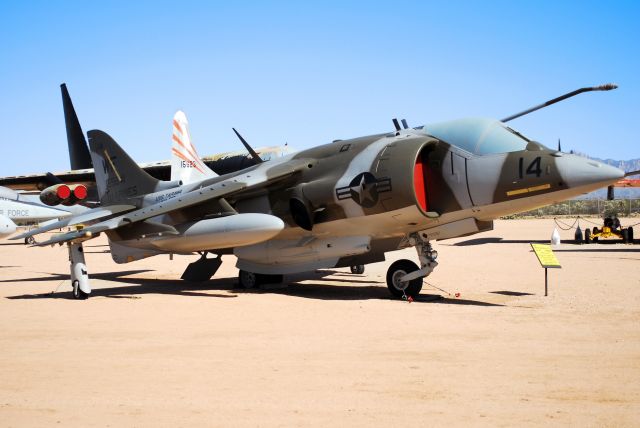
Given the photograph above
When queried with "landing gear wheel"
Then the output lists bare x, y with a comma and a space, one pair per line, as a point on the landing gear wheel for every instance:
248, 279
269, 279
630, 234
357, 269
587, 236
397, 270
77, 293
625, 236
30, 240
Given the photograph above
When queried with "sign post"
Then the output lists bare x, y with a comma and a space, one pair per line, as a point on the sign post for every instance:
547, 259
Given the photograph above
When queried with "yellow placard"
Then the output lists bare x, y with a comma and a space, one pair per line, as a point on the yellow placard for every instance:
545, 256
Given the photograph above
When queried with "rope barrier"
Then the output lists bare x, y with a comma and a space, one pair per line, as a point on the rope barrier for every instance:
561, 223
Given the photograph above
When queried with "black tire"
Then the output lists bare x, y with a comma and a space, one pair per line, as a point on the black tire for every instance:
30, 240
398, 269
630, 234
269, 279
357, 269
77, 293
248, 280
587, 236
625, 235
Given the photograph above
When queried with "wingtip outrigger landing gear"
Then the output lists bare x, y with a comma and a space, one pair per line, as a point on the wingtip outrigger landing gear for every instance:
404, 277
79, 274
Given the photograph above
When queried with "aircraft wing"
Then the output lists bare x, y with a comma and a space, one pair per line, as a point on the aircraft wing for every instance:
223, 163
232, 186
90, 215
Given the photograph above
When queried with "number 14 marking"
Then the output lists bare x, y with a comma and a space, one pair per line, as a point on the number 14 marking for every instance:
533, 168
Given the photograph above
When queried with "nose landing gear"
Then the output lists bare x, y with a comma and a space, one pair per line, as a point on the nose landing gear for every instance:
404, 277
399, 288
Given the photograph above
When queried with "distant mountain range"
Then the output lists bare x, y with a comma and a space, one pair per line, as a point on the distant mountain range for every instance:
620, 192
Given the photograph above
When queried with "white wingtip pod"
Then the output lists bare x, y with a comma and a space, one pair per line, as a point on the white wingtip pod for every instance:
186, 164
9, 194
7, 226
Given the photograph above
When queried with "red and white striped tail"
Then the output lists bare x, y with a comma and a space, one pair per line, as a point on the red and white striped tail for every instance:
186, 164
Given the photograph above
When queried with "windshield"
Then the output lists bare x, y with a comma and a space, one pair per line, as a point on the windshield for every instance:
479, 136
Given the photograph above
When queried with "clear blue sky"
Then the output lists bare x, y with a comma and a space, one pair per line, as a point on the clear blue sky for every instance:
310, 73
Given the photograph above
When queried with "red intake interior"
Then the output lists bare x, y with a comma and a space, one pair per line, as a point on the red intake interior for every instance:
420, 182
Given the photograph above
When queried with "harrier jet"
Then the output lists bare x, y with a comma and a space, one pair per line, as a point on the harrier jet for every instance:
345, 203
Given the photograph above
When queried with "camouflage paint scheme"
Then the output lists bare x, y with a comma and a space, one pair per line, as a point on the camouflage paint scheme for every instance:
343, 203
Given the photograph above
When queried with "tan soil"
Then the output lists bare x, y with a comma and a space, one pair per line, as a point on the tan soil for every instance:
150, 350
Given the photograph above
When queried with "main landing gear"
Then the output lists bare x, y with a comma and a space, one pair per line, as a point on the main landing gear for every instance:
79, 274
357, 269
253, 280
404, 277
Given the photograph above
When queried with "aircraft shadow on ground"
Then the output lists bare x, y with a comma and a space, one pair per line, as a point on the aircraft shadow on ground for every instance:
497, 240
511, 293
108, 276
593, 249
579, 246
319, 289
136, 286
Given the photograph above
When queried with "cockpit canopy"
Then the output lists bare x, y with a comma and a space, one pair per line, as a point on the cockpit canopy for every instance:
479, 136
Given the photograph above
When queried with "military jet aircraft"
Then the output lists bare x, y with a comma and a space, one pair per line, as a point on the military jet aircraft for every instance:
345, 203
81, 175
26, 209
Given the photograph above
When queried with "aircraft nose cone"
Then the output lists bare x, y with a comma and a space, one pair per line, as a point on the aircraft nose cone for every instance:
579, 172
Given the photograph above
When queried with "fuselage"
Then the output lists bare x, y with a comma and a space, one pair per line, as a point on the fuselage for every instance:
31, 212
360, 198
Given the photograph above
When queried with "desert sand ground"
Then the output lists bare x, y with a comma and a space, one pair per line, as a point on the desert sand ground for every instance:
487, 349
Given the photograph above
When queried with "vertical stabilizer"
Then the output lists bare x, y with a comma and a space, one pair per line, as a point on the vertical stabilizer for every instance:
186, 164
79, 156
118, 178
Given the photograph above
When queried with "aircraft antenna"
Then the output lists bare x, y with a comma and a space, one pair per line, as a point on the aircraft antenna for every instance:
605, 87
252, 152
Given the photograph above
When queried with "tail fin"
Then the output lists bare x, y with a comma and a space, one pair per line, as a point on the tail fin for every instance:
79, 156
186, 164
118, 178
